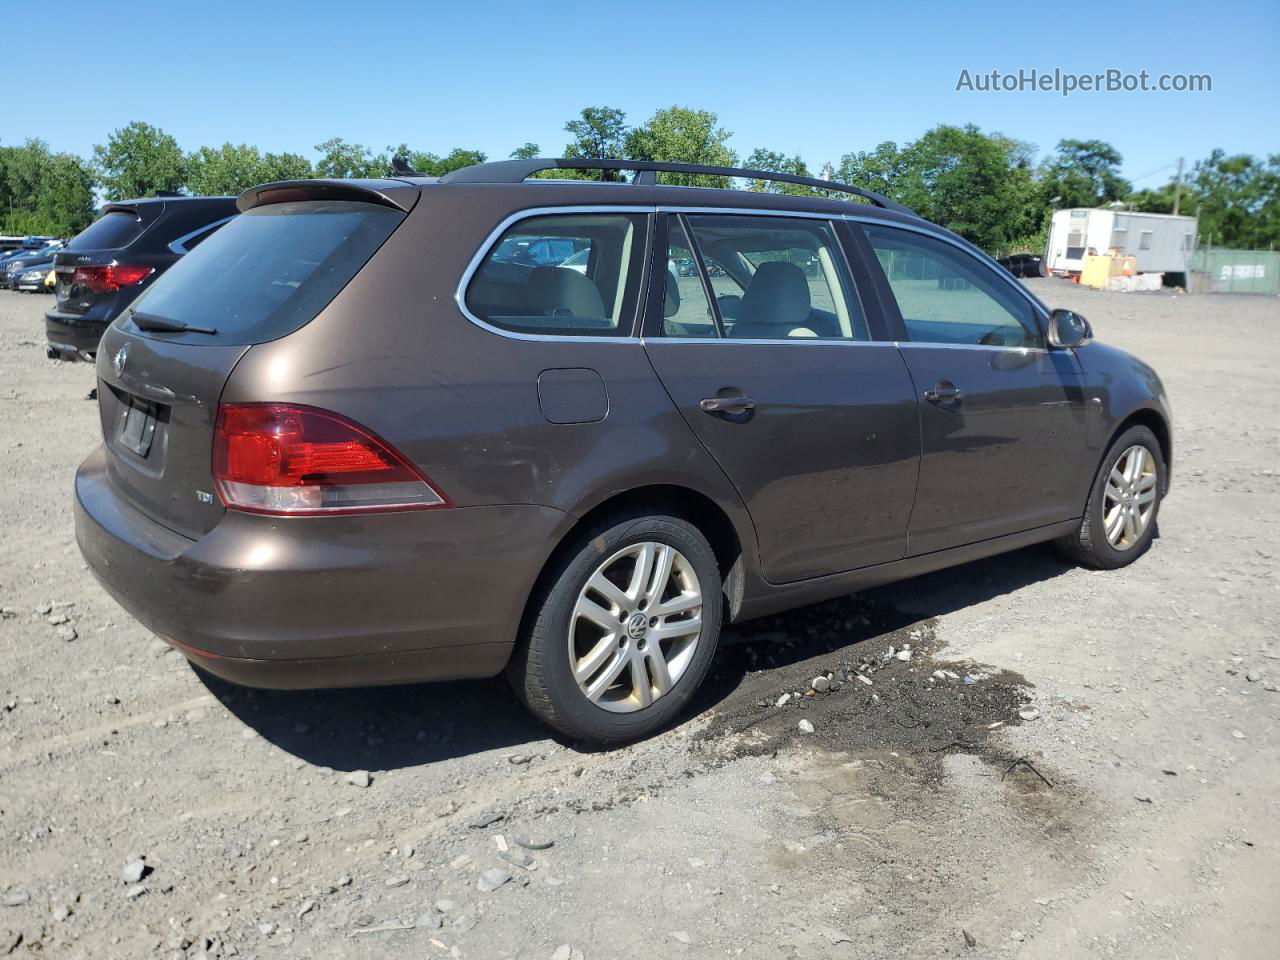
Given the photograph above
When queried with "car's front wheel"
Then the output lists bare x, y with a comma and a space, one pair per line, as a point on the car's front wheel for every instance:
1120, 518
624, 630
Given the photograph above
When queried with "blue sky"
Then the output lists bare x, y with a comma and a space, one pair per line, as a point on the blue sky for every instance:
820, 80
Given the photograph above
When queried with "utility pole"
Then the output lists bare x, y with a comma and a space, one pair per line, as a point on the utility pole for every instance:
1177, 188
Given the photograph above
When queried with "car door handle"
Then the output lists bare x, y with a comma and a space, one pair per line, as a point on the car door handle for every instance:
733, 403
944, 393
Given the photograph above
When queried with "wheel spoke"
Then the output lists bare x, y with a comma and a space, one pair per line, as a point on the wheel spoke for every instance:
640, 688
1117, 478
681, 603
1136, 464
1113, 523
1114, 493
1130, 527
643, 570
1145, 496
658, 668
608, 676
669, 631
588, 609
1146, 482
661, 574
596, 657
608, 589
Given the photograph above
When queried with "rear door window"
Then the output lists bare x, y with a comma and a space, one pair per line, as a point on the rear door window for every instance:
113, 230
271, 269
777, 278
562, 275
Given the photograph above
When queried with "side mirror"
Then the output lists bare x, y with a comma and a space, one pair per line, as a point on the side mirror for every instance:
1068, 329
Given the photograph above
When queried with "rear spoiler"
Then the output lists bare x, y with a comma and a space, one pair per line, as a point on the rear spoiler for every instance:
388, 193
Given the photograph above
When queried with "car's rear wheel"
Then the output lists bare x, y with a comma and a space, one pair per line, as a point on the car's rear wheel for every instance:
1120, 519
623, 631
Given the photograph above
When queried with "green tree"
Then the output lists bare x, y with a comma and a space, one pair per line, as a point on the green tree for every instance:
223, 171
43, 192
878, 170
977, 184
599, 133
434, 165
140, 160
455, 159
1239, 200
283, 166
775, 162
526, 151
229, 170
340, 159
1083, 173
681, 135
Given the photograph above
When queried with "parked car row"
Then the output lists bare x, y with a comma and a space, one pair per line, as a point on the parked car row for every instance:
28, 269
396, 430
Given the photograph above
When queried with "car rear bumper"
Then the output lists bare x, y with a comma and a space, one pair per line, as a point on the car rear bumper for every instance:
72, 337
323, 601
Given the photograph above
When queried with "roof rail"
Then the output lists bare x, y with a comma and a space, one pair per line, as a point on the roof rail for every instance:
517, 171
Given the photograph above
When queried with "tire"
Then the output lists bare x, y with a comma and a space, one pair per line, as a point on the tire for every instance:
1089, 545
559, 634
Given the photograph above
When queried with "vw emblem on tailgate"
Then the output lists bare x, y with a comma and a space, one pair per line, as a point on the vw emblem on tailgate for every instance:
120, 359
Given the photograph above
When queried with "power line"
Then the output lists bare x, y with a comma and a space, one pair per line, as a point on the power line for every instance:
1167, 166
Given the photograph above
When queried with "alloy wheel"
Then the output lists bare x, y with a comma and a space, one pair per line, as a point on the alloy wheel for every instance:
635, 627
1130, 497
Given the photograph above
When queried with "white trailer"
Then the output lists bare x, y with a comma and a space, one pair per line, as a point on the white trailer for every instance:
1161, 242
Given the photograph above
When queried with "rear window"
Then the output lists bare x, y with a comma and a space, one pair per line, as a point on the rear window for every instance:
111, 231
270, 270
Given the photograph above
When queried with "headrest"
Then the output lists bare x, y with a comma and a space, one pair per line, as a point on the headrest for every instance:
778, 295
563, 292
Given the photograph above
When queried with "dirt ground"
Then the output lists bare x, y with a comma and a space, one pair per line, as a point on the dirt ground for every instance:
1145, 821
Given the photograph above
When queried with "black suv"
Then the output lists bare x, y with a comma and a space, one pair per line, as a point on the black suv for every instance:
119, 255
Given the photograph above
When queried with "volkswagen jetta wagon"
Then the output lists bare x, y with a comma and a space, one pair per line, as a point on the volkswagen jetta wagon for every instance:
353, 439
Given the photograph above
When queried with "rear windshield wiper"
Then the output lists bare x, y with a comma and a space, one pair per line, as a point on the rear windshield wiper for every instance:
148, 321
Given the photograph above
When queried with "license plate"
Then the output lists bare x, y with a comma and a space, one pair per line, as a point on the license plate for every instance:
138, 426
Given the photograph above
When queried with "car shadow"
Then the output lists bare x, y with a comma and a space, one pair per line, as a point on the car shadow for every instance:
387, 728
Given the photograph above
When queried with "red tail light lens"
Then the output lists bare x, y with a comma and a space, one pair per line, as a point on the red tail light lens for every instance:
299, 461
112, 277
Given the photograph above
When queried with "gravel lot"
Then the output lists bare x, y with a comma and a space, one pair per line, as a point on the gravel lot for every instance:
148, 812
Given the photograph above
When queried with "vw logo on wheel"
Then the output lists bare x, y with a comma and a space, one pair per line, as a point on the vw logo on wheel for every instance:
637, 626
120, 359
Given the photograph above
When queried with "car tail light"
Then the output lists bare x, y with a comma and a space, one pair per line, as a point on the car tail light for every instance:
298, 461
112, 277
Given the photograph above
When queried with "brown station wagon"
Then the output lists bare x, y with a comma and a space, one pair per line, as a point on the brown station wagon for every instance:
381, 431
